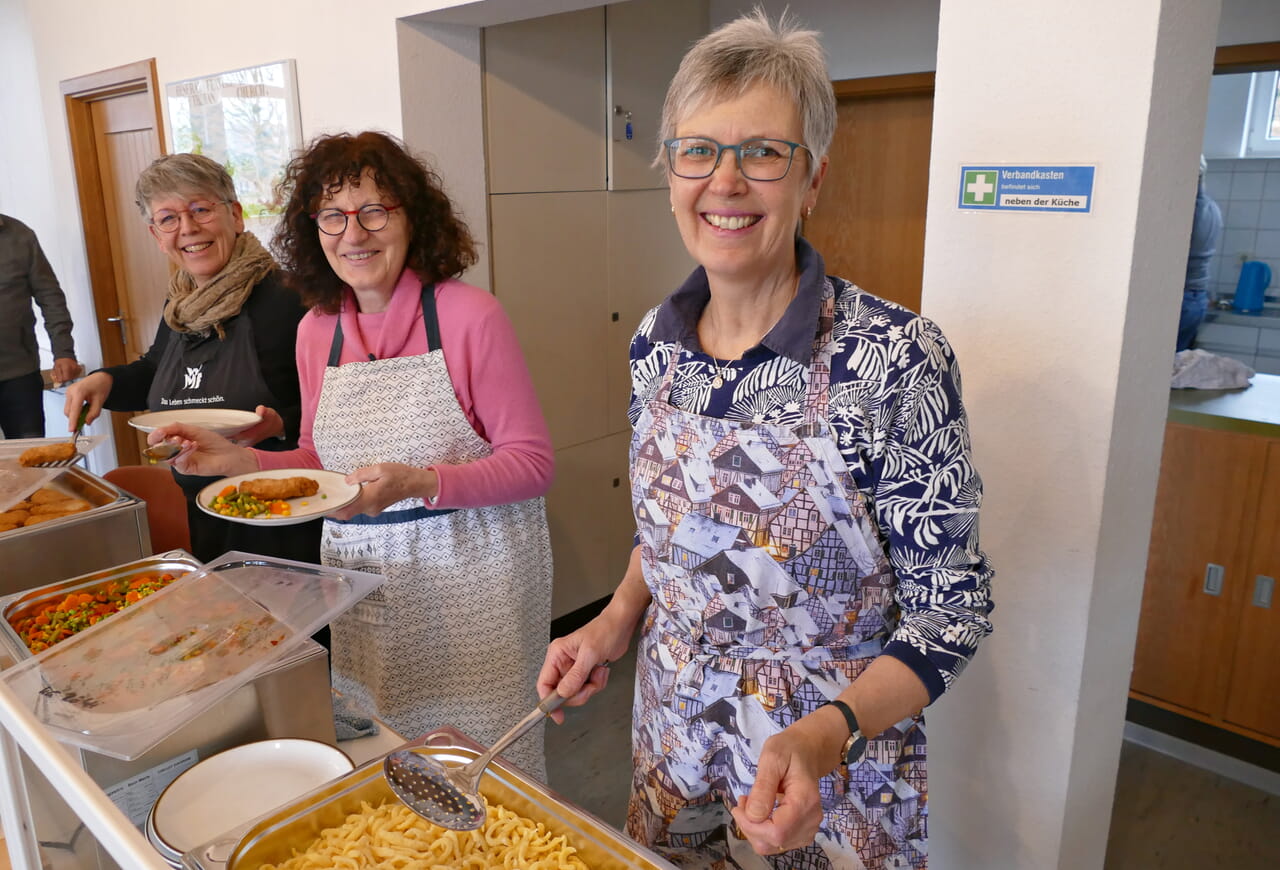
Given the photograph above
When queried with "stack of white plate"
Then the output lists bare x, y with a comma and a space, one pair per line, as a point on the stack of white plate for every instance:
230, 788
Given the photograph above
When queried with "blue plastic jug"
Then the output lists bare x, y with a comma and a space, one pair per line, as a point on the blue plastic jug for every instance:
1251, 289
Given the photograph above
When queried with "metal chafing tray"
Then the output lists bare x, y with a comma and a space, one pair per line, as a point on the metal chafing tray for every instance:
15, 605
113, 531
290, 698
273, 837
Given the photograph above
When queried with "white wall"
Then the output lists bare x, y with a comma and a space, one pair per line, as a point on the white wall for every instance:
1064, 326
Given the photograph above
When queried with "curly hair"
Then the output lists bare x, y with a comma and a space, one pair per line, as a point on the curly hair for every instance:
440, 245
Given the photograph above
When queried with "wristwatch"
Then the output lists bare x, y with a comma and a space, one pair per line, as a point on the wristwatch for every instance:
857, 743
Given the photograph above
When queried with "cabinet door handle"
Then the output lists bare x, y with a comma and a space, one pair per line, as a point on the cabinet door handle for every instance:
1263, 587
1213, 575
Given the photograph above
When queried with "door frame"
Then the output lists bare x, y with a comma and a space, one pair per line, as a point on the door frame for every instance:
78, 95
1253, 57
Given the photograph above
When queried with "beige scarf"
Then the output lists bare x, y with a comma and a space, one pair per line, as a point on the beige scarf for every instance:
201, 309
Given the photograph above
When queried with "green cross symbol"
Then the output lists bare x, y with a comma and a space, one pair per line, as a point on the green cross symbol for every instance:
979, 187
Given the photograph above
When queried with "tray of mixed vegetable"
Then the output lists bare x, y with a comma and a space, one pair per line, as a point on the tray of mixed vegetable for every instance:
36, 619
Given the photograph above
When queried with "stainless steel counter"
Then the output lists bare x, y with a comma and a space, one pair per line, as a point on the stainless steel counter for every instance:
1253, 410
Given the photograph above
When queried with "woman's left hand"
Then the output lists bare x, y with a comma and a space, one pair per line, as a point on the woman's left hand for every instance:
784, 809
272, 425
385, 484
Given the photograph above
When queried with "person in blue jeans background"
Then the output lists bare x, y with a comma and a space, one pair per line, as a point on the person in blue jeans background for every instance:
1206, 230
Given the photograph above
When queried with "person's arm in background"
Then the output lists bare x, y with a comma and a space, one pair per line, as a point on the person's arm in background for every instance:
53, 307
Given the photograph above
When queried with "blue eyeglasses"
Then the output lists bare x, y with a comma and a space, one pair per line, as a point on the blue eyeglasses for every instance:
758, 159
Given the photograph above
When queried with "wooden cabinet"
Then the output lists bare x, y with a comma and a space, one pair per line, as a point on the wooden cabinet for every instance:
1253, 700
583, 244
1209, 638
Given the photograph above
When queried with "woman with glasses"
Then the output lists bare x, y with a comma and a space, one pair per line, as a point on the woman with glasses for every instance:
807, 574
226, 340
414, 385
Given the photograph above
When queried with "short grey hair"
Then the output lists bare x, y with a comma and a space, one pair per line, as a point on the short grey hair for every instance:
183, 174
747, 51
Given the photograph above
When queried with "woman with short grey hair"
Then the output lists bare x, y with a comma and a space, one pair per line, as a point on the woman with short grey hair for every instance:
225, 341
807, 575
747, 52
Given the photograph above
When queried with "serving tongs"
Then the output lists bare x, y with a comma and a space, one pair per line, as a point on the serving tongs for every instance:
76, 455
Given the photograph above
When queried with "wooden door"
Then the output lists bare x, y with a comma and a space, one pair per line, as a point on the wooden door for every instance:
1204, 515
1254, 699
113, 117
869, 221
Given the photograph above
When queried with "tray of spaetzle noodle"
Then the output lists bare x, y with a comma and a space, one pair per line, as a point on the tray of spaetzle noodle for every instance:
356, 821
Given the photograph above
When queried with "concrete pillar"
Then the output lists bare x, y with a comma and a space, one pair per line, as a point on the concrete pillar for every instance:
1064, 326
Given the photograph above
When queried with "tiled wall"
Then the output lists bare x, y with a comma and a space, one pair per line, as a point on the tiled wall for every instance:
1248, 192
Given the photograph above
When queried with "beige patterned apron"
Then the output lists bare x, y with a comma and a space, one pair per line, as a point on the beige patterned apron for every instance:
455, 635
771, 593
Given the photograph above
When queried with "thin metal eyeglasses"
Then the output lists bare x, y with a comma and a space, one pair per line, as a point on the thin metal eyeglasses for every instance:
758, 159
201, 211
372, 217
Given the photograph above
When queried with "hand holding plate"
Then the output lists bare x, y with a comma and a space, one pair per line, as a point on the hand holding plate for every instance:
386, 483
272, 425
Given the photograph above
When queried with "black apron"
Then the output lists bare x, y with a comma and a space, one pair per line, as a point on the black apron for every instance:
206, 372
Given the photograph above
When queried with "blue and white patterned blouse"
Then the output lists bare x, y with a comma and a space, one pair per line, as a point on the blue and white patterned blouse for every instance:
896, 414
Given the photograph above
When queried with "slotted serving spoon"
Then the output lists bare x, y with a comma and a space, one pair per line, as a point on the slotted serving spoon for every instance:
75, 444
450, 796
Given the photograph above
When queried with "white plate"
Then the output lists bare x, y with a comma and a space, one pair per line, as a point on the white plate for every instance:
232, 787
334, 494
224, 421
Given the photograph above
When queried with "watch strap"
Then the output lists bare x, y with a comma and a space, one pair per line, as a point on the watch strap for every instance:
857, 743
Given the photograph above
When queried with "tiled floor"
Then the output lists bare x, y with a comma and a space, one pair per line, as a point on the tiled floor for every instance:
1168, 815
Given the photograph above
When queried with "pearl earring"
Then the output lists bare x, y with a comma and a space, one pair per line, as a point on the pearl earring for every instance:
673, 209
808, 212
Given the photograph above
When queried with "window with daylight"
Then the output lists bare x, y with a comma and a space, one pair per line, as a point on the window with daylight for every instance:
1262, 127
247, 120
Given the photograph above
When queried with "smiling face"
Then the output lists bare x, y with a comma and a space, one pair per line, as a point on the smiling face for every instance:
202, 250
738, 229
370, 263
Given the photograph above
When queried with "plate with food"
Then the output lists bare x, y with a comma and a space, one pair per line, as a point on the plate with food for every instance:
279, 497
224, 421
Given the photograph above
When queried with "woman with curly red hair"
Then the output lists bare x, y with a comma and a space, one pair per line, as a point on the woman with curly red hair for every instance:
414, 385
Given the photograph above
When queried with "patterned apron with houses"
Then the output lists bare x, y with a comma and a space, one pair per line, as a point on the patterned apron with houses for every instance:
450, 637
771, 593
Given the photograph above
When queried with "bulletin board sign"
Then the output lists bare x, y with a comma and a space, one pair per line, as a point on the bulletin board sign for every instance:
1027, 188
247, 120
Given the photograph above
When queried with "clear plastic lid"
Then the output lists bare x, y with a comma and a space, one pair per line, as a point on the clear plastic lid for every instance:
123, 685
17, 482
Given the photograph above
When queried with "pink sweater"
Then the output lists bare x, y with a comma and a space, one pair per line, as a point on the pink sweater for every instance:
489, 376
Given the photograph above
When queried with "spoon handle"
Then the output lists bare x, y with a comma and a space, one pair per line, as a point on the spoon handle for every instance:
545, 707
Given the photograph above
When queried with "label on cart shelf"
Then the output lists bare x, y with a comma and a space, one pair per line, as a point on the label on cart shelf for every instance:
135, 795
